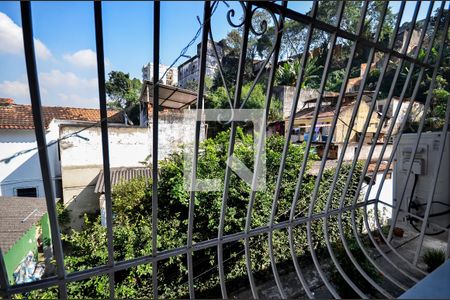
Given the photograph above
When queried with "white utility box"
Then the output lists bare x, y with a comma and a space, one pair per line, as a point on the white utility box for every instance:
420, 181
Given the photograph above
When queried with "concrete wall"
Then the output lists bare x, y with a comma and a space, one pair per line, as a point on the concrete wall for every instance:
81, 156
361, 117
286, 95
363, 155
386, 195
20, 167
82, 160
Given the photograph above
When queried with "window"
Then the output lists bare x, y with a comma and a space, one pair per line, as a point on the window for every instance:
26, 192
380, 108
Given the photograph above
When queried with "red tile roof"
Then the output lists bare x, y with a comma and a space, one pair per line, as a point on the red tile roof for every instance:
19, 116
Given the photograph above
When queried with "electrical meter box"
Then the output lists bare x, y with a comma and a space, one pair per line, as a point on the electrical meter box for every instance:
420, 182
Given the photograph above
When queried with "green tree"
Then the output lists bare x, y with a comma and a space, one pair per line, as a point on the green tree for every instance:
287, 73
255, 100
123, 93
132, 218
352, 12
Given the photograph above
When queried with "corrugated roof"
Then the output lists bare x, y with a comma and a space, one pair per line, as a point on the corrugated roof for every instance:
19, 116
169, 96
329, 110
119, 175
334, 96
325, 111
17, 215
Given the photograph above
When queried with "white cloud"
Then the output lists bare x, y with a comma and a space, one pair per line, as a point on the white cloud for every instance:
55, 79
14, 89
57, 88
68, 89
12, 41
85, 58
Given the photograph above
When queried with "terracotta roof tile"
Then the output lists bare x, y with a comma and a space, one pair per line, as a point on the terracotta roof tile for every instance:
18, 116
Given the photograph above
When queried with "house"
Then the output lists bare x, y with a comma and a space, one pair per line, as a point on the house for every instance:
81, 162
74, 142
20, 173
24, 230
189, 71
171, 99
170, 74
401, 39
304, 117
285, 94
327, 112
414, 116
130, 148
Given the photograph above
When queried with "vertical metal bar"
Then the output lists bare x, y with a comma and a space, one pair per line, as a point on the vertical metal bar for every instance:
390, 95
365, 216
448, 246
401, 129
369, 159
413, 97
325, 155
271, 81
155, 121
343, 153
382, 153
199, 111
33, 84
286, 149
380, 125
433, 184
411, 100
372, 106
237, 97
332, 43
419, 132
105, 143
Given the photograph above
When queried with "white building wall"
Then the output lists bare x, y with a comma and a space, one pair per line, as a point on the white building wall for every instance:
286, 94
81, 156
20, 166
386, 195
82, 160
170, 78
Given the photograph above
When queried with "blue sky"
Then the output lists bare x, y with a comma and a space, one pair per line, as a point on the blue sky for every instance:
65, 43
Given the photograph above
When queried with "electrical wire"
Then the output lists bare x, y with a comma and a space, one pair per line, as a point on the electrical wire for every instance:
191, 42
124, 110
413, 205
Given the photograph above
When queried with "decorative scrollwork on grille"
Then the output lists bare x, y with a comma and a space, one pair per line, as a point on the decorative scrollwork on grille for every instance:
231, 14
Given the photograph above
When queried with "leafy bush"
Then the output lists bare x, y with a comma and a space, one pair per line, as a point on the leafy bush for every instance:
343, 288
434, 258
63, 215
218, 99
132, 222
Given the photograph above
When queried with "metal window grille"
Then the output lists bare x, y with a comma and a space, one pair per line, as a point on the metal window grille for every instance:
279, 13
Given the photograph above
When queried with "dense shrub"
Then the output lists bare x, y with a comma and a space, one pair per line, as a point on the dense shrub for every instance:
433, 258
132, 222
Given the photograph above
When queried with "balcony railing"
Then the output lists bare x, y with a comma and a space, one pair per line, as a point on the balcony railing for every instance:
399, 269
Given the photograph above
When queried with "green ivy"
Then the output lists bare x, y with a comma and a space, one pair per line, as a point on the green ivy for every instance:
133, 214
